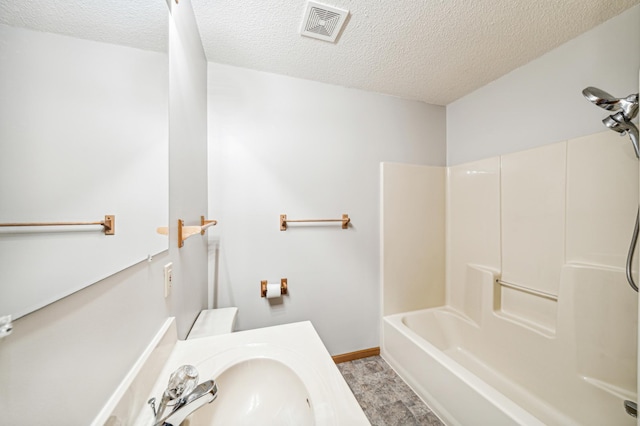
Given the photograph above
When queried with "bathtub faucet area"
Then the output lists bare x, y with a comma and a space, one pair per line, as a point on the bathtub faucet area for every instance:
183, 396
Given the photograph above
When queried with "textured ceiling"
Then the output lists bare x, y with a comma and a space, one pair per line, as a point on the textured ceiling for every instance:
142, 24
430, 50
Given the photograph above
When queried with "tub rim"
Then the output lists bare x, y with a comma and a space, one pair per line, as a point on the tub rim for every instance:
500, 401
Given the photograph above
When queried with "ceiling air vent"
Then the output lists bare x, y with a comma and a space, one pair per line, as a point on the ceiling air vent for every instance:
323, 22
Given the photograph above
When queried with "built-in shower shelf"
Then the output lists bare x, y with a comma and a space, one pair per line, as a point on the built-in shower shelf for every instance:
527, 324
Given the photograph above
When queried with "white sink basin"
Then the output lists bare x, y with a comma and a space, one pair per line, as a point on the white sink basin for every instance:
258, 391
280, 375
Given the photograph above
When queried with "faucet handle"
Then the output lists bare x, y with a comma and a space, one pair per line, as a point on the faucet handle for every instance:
182, 381
630, 106
152, 403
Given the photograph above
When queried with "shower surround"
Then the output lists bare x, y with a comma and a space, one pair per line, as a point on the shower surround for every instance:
554, 220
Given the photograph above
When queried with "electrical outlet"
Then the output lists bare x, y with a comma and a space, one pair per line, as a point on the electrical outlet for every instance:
168, 278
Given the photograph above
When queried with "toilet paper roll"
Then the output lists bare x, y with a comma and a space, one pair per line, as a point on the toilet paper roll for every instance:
273, 291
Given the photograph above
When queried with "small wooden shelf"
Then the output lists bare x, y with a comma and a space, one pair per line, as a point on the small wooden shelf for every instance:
184, 232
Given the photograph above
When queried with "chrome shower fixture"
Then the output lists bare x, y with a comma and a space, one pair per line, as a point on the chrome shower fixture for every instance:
621, 121
628, 105
627, 110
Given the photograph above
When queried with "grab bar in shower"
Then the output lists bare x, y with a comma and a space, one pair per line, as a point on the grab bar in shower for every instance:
528, 290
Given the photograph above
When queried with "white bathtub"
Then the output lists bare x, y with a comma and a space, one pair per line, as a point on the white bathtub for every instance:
497, 374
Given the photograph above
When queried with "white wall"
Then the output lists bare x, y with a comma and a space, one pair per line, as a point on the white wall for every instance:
62, 362
187, 163
279, 145
541, 102
74, 108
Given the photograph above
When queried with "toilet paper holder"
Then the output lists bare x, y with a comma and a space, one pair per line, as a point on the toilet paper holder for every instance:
283, 287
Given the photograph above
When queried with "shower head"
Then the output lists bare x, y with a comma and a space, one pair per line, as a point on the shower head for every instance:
601, 98
628, 105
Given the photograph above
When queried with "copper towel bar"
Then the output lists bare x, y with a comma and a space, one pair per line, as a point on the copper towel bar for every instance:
283, 221
109, 224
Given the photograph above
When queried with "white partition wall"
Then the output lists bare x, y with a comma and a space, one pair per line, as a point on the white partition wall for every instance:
412, 237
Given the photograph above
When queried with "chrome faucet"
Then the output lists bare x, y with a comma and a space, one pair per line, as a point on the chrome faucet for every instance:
621, 121
183, 396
